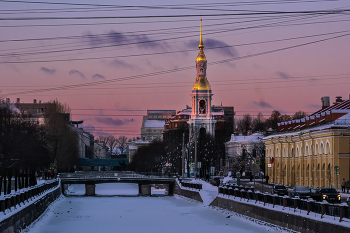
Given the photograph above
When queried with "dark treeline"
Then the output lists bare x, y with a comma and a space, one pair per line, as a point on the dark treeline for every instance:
156, 156
260, 124
22, 149
27, 148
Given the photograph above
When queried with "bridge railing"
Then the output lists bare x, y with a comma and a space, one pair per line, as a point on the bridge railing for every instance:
114, 174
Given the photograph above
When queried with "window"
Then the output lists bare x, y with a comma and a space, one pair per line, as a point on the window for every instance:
202, 107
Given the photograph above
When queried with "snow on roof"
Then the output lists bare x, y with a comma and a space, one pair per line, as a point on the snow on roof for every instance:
186, 111
154, 123
255, 137
339, 105
343, 121
218, 113
341, 111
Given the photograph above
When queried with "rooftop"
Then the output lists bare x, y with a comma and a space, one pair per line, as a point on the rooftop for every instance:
329, 115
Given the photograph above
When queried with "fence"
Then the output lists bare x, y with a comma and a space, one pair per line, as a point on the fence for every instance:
24, 195
295, 203
191, 185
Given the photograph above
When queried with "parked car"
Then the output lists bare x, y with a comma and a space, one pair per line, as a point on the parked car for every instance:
300, 191
215, 181
315, 194
328, 194
280, 190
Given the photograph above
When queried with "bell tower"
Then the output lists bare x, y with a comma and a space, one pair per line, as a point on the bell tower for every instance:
201, 117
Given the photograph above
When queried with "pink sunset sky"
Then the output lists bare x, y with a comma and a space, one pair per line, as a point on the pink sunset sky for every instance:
110, 61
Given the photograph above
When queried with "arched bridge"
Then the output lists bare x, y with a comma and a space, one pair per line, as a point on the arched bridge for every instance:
90, 179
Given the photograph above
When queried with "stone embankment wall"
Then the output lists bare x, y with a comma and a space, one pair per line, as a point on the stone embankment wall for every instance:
20, 220
193, 194
294, 222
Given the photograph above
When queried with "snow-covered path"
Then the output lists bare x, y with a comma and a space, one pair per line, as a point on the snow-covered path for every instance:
136, 214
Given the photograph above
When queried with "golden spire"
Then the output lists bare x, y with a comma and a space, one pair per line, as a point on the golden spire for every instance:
201, 45
201, 56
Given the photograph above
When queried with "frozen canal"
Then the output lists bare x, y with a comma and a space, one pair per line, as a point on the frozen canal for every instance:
135, 214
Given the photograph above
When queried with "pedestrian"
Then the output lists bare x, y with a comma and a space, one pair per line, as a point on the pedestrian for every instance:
267, 179
343, 183
347, 186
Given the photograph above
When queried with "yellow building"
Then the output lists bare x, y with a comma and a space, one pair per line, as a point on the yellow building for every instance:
312, 151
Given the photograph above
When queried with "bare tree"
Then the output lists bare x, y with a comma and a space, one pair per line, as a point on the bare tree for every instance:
240, 160
299, 115
274, 119
122, 140
244, 124
259, 123
111, 142
285, 117
56, 120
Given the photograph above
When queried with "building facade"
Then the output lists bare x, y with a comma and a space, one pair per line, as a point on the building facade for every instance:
242, 151
312, 151
153, 124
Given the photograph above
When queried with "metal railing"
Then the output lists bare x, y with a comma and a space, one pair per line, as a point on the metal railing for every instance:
23, 196
114, 174
321, 208
191, 185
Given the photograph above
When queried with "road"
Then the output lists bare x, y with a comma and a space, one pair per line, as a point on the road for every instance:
268, 188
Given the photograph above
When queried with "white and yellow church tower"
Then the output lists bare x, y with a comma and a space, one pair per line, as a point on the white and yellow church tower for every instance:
201, 118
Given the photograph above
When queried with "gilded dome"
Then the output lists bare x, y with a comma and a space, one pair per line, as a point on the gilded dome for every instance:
201, 84
201, 57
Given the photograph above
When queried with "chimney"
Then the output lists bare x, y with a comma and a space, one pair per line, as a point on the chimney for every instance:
338, 99
18, 100
7, 100
325, 102
34, 101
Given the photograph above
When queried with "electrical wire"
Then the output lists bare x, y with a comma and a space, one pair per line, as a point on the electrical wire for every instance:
138, 43
175, 70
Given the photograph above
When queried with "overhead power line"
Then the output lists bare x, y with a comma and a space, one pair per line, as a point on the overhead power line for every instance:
143, 43
248, 12
149, 31
160, 53
174, 70
261, 2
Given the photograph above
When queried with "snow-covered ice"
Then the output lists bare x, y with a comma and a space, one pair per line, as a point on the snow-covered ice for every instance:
137, 214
